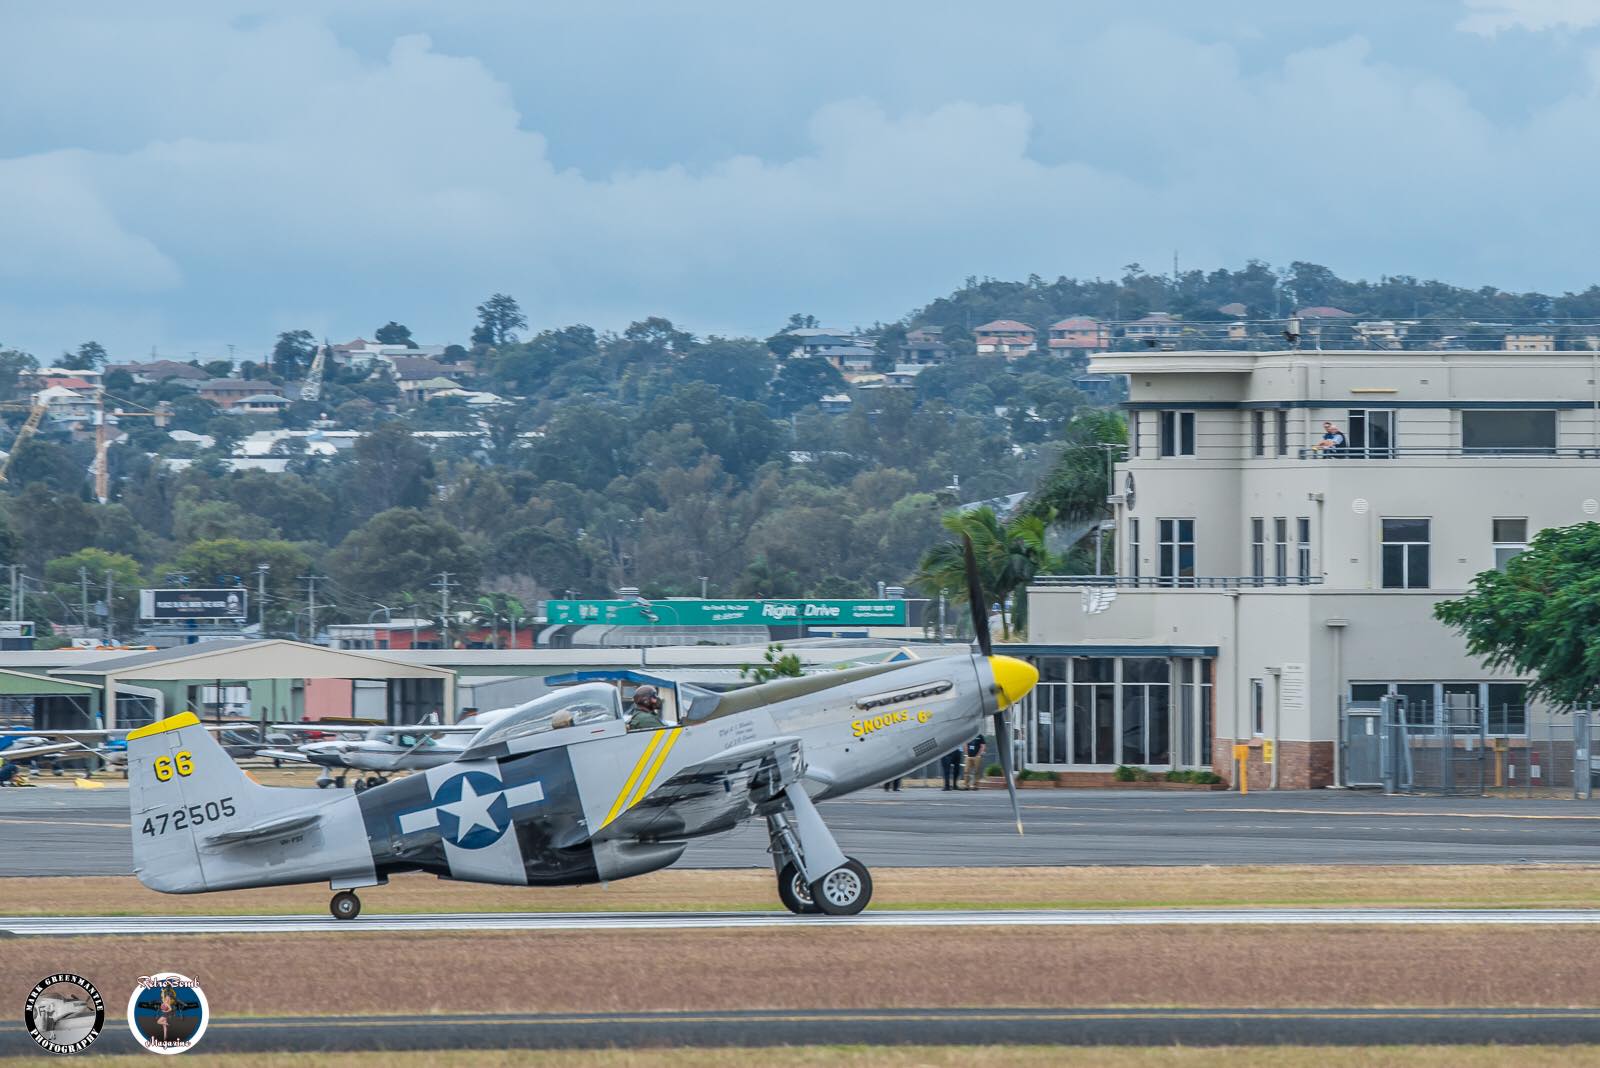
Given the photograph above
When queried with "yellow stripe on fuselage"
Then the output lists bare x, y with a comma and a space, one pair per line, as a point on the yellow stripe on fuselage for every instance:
620, 803
650, 776
171, 723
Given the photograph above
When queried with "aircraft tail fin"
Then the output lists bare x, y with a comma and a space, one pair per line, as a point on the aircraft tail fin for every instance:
182, 787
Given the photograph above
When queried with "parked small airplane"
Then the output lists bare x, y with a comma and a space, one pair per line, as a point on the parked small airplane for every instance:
561, 792
26, 743
381, 750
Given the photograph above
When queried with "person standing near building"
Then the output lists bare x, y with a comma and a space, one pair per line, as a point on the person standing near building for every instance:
950, 764
975, 751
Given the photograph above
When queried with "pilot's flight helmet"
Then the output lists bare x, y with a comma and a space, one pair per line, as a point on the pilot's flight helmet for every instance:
646, 697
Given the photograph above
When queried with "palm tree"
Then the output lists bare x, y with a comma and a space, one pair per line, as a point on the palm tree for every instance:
494, 609
1009, 554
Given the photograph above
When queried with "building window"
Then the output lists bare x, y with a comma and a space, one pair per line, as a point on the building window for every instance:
1506, 704
1146, 710
1405, 554
1133, 435
1133, 547
1258, 707
1371, 433
1176, 543
1513, 432
1303, 546
1094, 709
1177, 433
1280, 549
1510, 538
1258, 433
1282, 417
1258, 549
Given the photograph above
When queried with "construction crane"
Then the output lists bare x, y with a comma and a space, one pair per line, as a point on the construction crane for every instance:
35, 413
312, 390
102, 439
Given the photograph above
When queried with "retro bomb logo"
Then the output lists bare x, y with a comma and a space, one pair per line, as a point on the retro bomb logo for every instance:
168, 1013
863, 727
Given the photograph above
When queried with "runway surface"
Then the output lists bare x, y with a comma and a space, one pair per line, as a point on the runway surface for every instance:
1080, 1027
53, 831
668, 921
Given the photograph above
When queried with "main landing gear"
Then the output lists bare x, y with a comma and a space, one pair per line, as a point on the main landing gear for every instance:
345, 905
813, 875
368, 783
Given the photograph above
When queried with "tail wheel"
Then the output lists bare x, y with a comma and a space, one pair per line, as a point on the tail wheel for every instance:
794, 892
845, 890
345, 905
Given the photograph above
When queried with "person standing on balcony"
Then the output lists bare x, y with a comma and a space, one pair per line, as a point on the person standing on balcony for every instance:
1333, 440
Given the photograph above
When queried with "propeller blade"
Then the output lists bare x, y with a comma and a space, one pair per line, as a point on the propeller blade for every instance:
1002, 741
975, 598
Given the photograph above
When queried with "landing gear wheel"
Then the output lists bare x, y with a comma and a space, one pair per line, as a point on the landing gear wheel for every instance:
339, 782
374, 780
323, 784
845, 890
360, 785
345, 905
793, 891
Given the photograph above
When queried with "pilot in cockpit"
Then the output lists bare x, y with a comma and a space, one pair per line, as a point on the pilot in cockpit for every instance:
646, 715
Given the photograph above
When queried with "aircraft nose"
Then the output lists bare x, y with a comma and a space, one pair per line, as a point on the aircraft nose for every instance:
1013, 677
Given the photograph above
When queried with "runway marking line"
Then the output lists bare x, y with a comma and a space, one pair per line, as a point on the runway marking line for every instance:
1390, 812
63, 823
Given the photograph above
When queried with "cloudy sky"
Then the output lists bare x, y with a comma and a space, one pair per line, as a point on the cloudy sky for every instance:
182, 176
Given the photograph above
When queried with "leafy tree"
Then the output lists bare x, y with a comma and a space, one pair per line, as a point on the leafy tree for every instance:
389, 469
13, 364
292, 353
396, 550
524, 369
196, 519
61, 467
1539, 617
392, 333
803, 381
776, 664
63, 580
499, 319
1074, 493
90, 356
1008, 553
49, 524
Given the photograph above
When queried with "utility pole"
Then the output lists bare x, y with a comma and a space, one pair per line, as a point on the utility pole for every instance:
311, 605
13, 568
83, 598
704, 579
444, 585
111, 609
261, 596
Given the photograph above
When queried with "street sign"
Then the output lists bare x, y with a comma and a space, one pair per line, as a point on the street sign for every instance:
1266, 750
193, 604
686, 612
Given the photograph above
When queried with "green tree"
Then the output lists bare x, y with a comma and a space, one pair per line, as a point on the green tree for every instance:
1540, 617
13, 364
388, 468
399, 549
393, 333
804, 381
90, 356
1008, 553
64, 580
499, 319
775, 664
293, 353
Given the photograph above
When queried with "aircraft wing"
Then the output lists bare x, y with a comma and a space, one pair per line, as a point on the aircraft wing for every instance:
19, 752
712, 794
283, 754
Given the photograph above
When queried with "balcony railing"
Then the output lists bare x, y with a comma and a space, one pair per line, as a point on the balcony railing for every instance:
1166, 582
1403, 452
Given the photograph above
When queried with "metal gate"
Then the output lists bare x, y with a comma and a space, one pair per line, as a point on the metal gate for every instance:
1362, 742
1440, 749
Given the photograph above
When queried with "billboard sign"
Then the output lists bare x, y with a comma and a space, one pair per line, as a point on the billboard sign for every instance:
193, 604
729, 613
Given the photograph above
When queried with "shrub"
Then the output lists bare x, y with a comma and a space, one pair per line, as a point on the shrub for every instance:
1029, 775
1126, 774
993, 769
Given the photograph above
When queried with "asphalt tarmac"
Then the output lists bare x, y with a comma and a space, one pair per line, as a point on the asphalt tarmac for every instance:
1076, 1027
52, 830
699, 921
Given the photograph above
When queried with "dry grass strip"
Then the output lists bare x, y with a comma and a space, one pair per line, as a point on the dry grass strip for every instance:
574, 971
1484, 886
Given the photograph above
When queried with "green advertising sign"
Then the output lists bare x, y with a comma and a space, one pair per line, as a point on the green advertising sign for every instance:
719, 613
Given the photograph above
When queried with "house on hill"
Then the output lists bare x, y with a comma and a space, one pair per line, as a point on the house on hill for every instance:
1079, 334
1005, 337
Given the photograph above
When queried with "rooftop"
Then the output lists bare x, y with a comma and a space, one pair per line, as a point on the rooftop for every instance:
1002, 324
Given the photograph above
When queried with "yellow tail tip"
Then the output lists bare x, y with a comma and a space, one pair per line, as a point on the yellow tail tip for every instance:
1013, 678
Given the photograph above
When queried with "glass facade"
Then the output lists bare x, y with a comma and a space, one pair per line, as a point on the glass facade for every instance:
1101, 711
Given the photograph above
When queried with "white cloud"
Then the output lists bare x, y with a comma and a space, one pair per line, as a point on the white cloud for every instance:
1490, 17
210, 179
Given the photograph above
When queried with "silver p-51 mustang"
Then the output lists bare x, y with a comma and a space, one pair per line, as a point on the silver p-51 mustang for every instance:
561, 792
